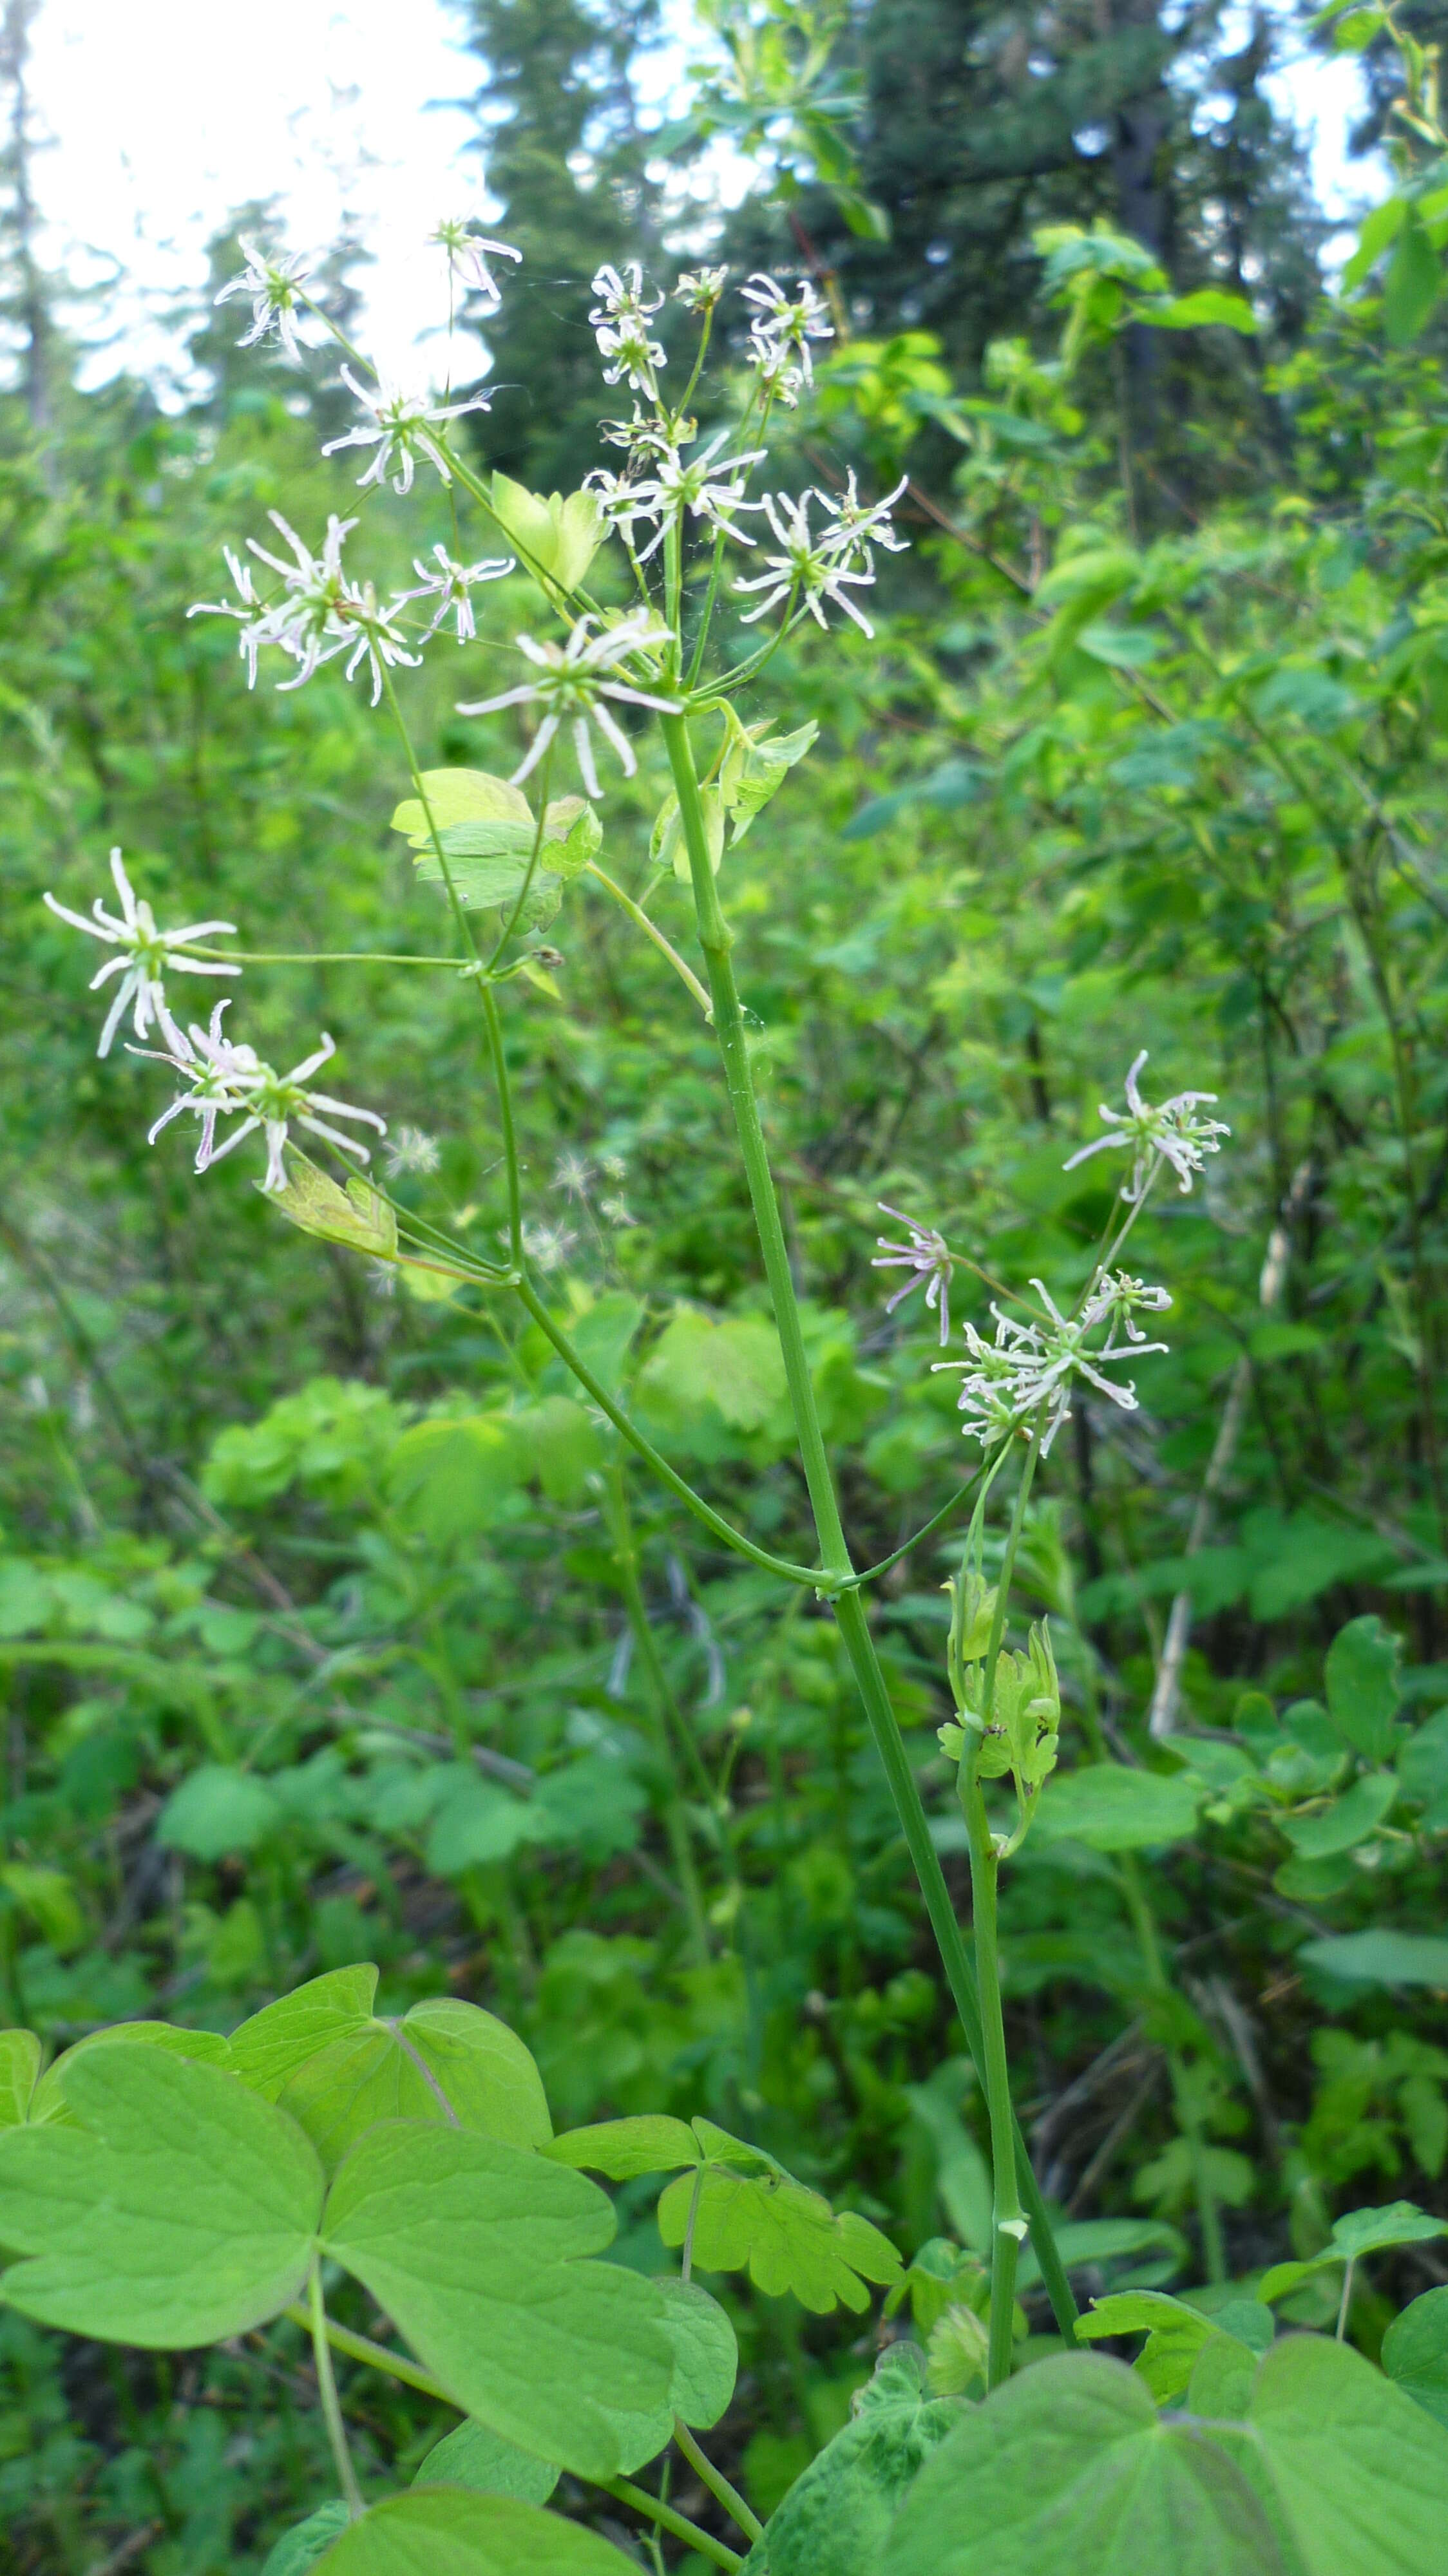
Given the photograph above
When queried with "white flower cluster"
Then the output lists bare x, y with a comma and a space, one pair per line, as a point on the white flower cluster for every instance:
468, 254
1030, 1369
322, 612
402, 427
1172, 1133
621, 320
224, 1079
780, 331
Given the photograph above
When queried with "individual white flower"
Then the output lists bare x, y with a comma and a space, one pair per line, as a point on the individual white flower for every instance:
780, 379
144, 953
859, 525
925, 1256
452, 586
807, 568
1172, 1133
572, 684
617, 1212
548, 1246
708, 486
643, 435
411, 1149
229, 1080
401, 429
787, 322
468, 255
699, 289
620, 322
613, 1167
272, 280
573, 1175
244, 606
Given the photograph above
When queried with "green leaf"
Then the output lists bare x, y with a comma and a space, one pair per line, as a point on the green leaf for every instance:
1209, 307
1381, 1957
443, 2531
1362, 1687
706, 2354
1362, 2231
270, 2047
555, 535
460, 796
301, 2547
1106, 2240
785, 2237
181, 2210
1174, 2333
755, 766
480, 1823
1380, 228
1124, 648
473, 2249
558, 1442
1098, 575
218, 1811
1413, 283
448, 1476
474, 2457
445, 2062
1357, 2471
1112, 1808
1347, 1822
49, 2103
836, 2517
355, 1216
734, 1369
622, 2149
1415, 2353
19, 2074
48, 1896
1067, 2469
1223, 2376
667, 847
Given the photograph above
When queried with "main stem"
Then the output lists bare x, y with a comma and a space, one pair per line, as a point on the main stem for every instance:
1008, 2224
716, 941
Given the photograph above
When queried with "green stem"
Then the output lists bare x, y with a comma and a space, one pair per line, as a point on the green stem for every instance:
1008, 2225
715, 940
1209, 2216
810, 1576
676, 2523
671, 1728
331, 2404
376, 2355
651, 930
717, 2484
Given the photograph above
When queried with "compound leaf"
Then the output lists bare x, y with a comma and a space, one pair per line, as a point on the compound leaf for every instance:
270, 2047
706, 2354
785, 2237
622, 2149
1359, 2471
446, 2061
474, 2457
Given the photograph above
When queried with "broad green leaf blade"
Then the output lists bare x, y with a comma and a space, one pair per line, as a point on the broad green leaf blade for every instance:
444, 2531
299, 2549
270, 2047
182, 2209
471, 2248
446, 2061
706, 2355
459, 796
835, 2518
1413, 283
19, 2069
648, 2144
1209, 306
1361, 2231
49, 2101
785, 2237
355, 1216
1361, 2472
1348, 1821
1361, 1674
1067, 2470
1415, 2353
1114, 1809
1222, 2379
1381, 1957
474, 2457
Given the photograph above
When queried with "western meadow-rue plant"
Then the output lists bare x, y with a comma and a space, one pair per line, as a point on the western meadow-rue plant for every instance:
164, 2187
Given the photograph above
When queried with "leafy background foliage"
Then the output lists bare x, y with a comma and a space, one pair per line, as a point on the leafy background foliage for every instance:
331, 1629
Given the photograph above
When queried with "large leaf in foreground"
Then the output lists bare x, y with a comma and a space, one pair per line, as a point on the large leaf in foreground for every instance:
445, 2061
835, 2517
1415, 2353
475, 2250
1361, 2473
1068, 2469
444, 2531
182, 2208
269, 2048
